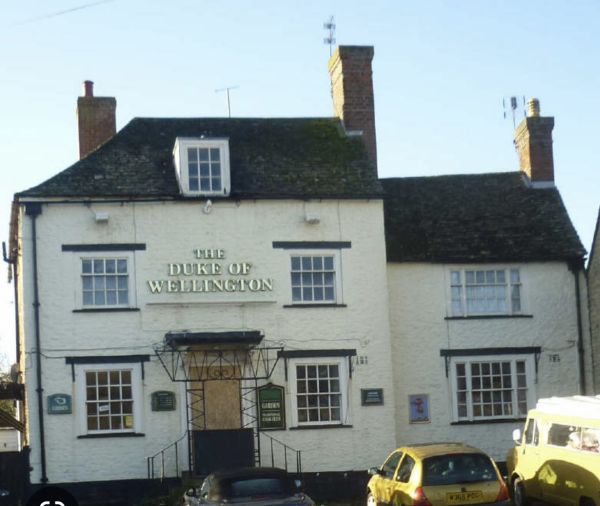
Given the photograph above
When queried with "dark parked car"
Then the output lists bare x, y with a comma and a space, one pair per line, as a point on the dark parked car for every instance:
256, 486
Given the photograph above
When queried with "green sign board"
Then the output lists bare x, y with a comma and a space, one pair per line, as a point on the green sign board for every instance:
163, 401
59, 404
271, 407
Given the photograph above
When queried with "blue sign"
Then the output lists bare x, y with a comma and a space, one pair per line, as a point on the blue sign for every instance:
59, 404
418, 406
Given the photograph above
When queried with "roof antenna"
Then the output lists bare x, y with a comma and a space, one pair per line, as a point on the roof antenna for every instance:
330, 39
514, 106
227, 88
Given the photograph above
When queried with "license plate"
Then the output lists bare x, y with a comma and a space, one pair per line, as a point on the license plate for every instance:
464, 497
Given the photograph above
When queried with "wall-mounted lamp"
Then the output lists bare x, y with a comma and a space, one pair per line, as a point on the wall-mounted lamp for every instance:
312, 218
102, 216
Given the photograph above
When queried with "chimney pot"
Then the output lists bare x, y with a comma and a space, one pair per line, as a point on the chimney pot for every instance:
533, 140
88, 88
533, 108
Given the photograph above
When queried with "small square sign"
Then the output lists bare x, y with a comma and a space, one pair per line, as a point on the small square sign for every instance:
371, 396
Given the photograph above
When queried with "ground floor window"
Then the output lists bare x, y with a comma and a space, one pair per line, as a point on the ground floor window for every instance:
490, 387
109, 398
319, 391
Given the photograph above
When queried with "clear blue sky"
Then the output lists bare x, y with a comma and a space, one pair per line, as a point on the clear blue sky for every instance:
441, 69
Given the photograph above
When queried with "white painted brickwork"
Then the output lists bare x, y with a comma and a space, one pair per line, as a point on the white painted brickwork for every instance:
418, 307
171, 231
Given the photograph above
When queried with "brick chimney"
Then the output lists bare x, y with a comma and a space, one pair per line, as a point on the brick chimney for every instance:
352, 90
533, 140
97, 119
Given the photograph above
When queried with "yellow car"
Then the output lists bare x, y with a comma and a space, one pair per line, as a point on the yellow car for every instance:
437, 474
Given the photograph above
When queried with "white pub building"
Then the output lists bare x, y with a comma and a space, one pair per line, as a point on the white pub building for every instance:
202, 293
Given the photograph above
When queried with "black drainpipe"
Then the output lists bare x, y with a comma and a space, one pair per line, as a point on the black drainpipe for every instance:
34, 210
576, 266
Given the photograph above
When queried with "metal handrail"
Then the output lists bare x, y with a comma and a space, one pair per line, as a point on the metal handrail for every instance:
150, 460
285, 452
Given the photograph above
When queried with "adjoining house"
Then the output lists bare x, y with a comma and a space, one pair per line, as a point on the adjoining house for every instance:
208, 292
487, 300
593, 275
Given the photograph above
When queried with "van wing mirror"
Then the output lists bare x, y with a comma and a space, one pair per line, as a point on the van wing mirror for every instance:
374, 470
516, 435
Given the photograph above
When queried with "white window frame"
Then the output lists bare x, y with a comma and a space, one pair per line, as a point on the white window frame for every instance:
529, 360
80, 404
342, 363
180, 155
105, 255
509, 284
337, 268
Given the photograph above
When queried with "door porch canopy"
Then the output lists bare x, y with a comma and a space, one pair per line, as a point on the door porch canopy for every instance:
210, 356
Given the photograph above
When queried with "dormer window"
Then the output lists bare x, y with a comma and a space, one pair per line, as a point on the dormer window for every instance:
202, 166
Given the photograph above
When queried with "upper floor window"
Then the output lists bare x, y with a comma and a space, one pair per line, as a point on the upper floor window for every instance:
313, 278
485, 291
105, 282
202, 166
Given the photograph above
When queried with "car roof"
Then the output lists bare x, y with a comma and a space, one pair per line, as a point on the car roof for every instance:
424, 450
220, 481
248, 472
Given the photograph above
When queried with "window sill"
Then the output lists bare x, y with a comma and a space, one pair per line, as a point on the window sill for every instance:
488, 316
106, 310
313, 305
492, 420
112, 434
310, 427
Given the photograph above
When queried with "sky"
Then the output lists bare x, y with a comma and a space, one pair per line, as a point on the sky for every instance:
441, 71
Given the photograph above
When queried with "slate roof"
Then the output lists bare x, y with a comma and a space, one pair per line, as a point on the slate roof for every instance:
269, 158
476, 217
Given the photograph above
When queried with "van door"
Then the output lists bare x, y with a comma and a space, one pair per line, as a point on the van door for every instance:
529, 459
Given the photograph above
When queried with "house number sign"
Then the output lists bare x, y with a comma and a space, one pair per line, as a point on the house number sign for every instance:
271, 407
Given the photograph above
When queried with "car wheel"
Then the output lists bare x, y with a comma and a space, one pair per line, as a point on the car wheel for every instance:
519, 495
371, 501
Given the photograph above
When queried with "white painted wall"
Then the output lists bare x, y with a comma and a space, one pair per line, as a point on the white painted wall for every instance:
418, 307
171, 230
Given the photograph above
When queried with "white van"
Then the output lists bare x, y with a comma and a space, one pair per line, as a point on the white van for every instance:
557, 458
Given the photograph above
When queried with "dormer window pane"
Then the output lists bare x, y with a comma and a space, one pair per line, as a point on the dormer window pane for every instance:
202, 165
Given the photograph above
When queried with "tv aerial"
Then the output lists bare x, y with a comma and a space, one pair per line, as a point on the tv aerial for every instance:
330, 39
226, 89
510, 105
